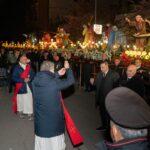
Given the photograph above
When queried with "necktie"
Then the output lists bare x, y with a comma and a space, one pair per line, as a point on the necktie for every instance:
104, 75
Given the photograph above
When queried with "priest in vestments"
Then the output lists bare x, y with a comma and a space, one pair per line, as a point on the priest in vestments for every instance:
22, 76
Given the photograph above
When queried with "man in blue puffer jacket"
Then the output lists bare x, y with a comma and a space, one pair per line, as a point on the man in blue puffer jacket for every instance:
49, 116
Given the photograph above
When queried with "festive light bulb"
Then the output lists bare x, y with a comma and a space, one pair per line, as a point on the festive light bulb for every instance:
144, 53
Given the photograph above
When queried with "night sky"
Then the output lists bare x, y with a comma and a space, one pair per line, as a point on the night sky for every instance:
12, 15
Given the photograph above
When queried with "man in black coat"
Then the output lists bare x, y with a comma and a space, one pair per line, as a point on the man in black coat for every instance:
49, 116
133, 81
105, 82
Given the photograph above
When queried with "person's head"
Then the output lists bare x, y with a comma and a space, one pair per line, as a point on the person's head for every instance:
2, 51
108, 25
104, 57
123, 105
117, 61
138, 63
23, 59
47, 66
84, 26
119, 133
131, 71
89, 24
61, 30
138, 18
104, 67
17, 53
114, 28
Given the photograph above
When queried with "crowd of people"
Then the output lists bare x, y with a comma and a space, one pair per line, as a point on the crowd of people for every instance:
37, 77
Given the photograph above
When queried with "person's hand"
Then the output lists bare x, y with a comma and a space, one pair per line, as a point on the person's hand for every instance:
146, 20
127, 19
92, 81
62, 71
26, 80
141, 71
66, 65
28, 60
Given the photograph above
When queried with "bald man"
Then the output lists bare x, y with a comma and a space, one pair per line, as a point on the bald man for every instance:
132, 81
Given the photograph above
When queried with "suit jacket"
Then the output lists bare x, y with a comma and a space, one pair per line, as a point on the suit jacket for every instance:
141, 74
105, 85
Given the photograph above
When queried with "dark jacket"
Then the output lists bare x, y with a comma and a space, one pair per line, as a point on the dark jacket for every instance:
16, 78
135, 83
118, 69
49, 117
134, 144
105, 85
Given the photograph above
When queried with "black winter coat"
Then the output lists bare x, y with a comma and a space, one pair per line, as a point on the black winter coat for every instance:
135, 83
49, 116
105, 85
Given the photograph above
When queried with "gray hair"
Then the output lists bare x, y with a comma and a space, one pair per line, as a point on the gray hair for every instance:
47, 66
131, 133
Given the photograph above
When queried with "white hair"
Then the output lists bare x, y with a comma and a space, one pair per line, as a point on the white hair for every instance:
47, 66
130, 133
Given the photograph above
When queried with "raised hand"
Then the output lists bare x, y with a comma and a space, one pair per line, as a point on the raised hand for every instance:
66, 65
62, 71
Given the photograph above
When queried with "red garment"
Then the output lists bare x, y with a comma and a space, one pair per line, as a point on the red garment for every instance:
74, 134
18, 86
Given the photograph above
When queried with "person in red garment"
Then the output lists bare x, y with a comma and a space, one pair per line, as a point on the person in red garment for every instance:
22, 76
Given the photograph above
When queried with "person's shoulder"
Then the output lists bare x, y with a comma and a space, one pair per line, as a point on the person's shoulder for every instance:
113, 72
16, 66
137, 78
99, 73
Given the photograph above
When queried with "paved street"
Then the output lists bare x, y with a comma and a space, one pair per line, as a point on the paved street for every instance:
18, 134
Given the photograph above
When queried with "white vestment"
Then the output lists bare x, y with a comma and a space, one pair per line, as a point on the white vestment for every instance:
25, 101
54, 143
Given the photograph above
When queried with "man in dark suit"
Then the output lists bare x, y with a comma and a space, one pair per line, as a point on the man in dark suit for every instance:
105, 82
133, 81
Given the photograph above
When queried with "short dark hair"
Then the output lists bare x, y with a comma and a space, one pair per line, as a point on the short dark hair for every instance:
21, 55
104, 62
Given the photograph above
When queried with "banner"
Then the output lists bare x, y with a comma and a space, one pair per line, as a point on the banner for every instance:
98, 28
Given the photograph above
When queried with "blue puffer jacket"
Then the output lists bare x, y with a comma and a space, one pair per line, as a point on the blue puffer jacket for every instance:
16, 78
49, 116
